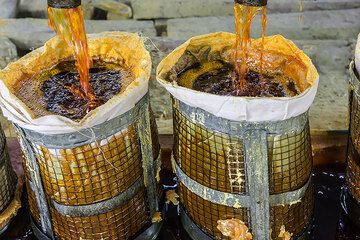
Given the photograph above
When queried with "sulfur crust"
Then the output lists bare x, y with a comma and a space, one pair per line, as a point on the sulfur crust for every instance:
125, 48
277, 50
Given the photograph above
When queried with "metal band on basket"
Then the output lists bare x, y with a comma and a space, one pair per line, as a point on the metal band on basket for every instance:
147, 157
236, 200
101, 207
239, 129
139, 115
86, 136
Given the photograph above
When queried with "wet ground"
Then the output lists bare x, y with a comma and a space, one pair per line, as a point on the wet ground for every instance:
329, 222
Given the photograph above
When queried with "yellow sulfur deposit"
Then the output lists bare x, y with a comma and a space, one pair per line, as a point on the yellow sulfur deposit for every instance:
235, 229
172, 196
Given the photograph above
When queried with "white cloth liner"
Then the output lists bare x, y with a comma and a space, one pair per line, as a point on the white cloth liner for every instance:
245, 108
251, 109
56, 124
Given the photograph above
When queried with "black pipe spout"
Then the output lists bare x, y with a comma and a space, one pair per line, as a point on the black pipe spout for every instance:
64, 3
253, 3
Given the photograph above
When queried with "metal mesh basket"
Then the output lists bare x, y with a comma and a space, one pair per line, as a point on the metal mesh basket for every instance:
259, 173
97, 183
353, 159
8, 178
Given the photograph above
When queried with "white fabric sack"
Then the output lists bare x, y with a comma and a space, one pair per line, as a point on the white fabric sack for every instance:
104, 45
252, 109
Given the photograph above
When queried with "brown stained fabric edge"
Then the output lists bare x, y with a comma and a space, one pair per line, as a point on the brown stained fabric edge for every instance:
14, 205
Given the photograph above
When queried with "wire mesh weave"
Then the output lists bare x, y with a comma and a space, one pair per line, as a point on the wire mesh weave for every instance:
202, 155
94, 173
296, 218
8, 182
216, 160
290, 160
121, 223
8, 177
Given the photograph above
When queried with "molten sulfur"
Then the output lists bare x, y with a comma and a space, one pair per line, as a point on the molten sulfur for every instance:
244, 16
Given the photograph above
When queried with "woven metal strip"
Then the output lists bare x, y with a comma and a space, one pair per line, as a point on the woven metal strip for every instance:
354, 81
35, 175
234, 128
257, 169
211, 195
87, 136
101, 207
144, 130
236, 200
4, 158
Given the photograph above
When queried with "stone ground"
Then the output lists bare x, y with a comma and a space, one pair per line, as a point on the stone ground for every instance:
326, 30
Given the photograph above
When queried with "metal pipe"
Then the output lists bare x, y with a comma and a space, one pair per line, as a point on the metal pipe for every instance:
64, 3
253, 3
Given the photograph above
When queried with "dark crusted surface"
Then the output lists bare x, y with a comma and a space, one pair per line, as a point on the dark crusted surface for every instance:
220, 82
63, 96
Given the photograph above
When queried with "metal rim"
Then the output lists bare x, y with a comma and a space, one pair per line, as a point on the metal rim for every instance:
239, 128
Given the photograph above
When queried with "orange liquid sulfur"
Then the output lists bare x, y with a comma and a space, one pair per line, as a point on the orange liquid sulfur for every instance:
244, 16
69, 24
